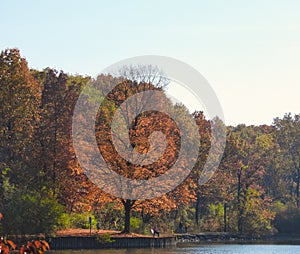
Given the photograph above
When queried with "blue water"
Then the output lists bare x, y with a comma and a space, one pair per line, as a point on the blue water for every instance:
204, 249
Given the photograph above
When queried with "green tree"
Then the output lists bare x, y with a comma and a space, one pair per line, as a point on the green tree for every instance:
287, 135
27, 211
247, 158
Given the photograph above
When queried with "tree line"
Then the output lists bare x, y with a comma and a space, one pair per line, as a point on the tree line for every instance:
255, 191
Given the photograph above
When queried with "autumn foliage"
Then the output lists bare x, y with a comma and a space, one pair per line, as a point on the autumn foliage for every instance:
31, 247
255, 189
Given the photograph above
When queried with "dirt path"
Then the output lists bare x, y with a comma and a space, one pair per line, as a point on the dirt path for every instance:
86, 232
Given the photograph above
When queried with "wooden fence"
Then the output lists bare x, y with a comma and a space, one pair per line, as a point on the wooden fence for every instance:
63, 243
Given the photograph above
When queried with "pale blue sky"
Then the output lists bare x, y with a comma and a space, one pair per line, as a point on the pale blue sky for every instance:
249, 51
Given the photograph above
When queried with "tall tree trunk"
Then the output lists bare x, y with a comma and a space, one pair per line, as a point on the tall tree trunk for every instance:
225, 216
127, 207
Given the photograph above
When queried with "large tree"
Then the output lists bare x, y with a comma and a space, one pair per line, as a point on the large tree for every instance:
56, 158
19, 99
140, 129
26, 205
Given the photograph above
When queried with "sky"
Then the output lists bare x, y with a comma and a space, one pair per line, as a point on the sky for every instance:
249, 51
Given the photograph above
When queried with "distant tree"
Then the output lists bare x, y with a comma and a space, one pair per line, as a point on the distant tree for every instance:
287, 136
250, 151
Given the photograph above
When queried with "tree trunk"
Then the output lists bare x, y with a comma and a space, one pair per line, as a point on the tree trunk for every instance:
197, 208
297, 188
240, 209
127, 207
225, 216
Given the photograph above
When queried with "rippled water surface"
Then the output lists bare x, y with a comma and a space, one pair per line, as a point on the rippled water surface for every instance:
205, 249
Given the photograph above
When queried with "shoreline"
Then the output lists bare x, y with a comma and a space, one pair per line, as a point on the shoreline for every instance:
223, 238
182, 240
115, 240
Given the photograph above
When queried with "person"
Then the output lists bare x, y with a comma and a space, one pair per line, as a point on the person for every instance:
155, 231
152, 231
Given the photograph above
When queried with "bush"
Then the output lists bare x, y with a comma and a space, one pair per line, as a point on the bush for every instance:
136, 224
105, 238
30, 212
76, 220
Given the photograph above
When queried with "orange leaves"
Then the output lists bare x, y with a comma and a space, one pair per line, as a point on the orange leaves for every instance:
140, 130
11, 244
45, 245
56, 155
35, 247
4, 248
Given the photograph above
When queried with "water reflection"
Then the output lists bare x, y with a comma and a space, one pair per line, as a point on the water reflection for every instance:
205, 249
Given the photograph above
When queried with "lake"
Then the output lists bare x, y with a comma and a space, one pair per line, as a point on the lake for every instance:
203, 249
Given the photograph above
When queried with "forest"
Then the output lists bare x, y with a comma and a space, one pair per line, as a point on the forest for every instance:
255, 191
